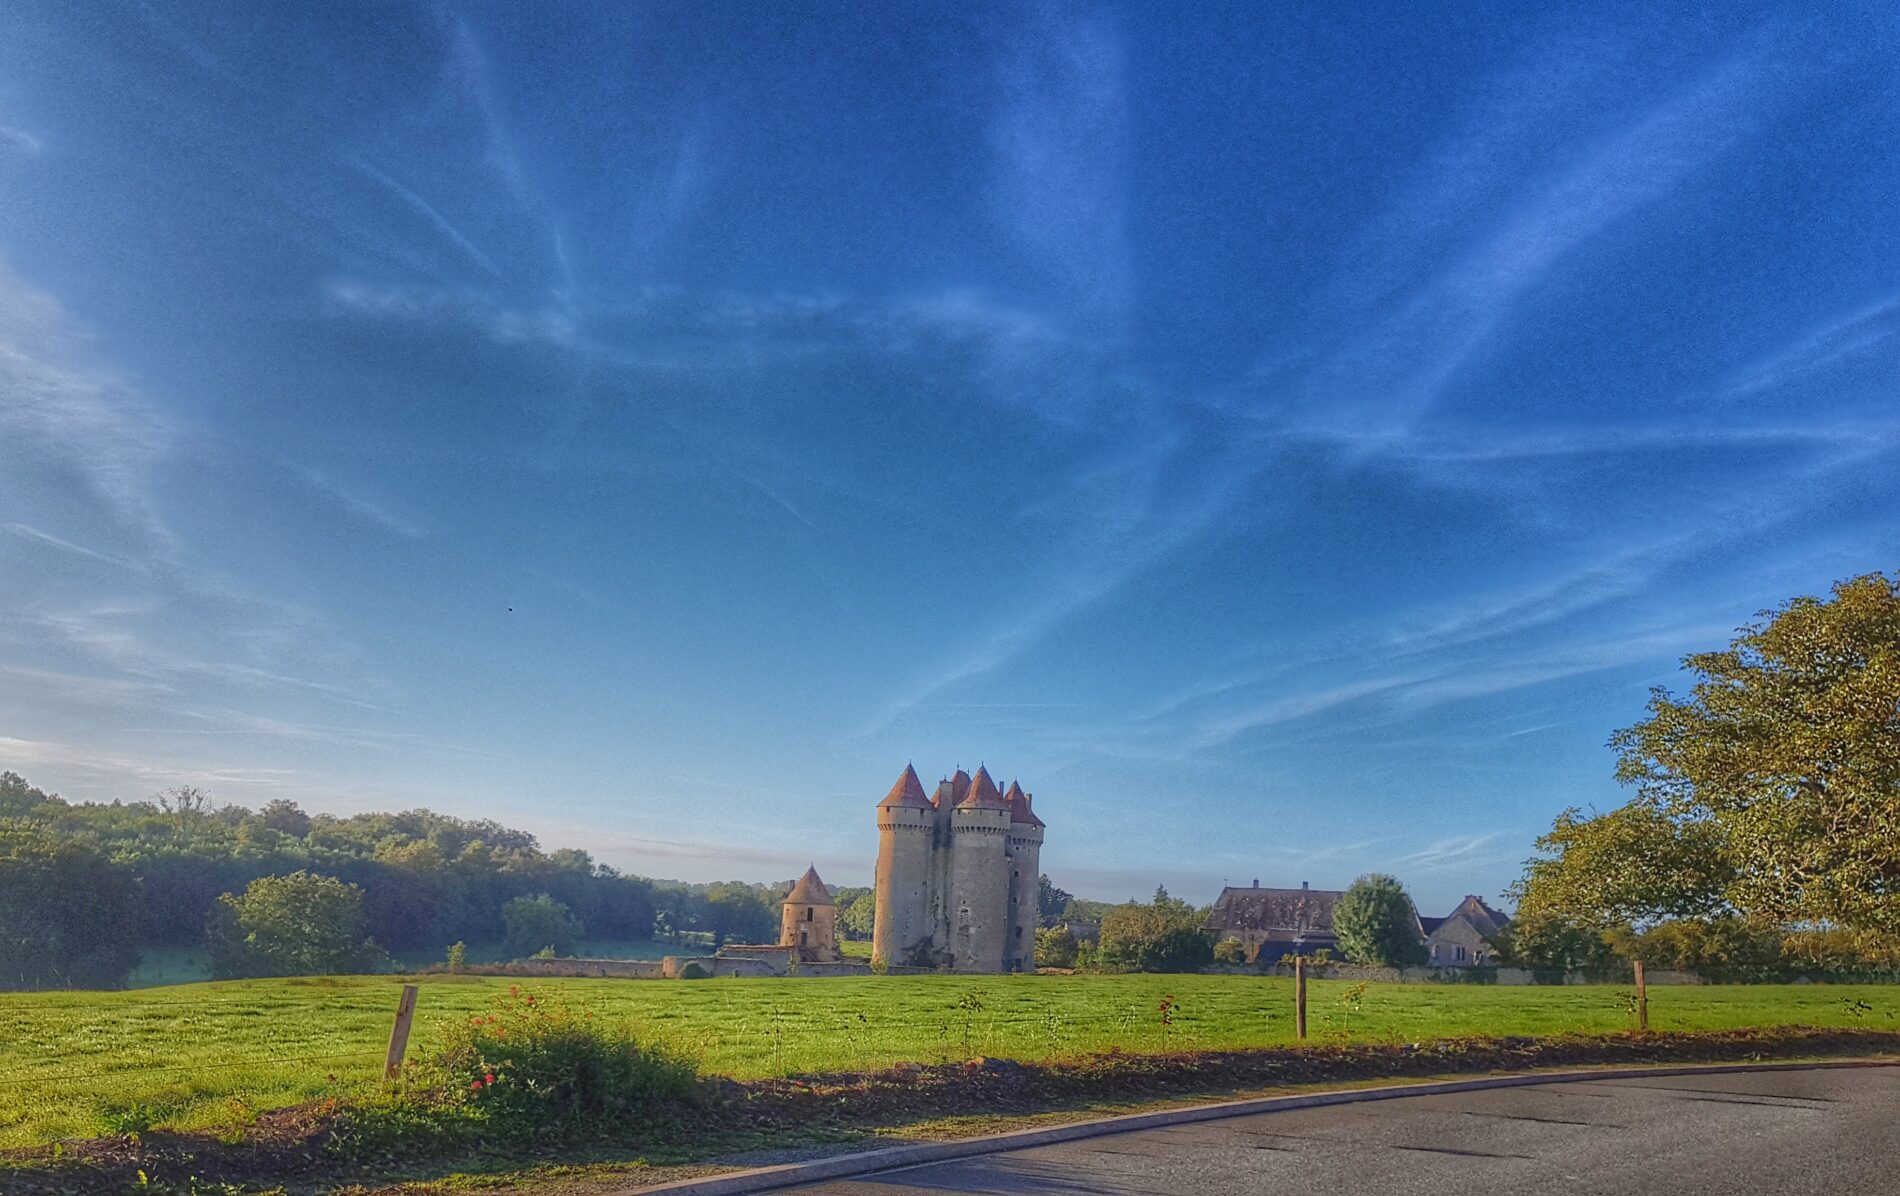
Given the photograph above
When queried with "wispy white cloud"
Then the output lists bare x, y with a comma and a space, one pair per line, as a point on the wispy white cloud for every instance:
1847, 340
1060, 131
83, 420
357, 505
436, 219
451, 307
33, 535
20, 141
1388, 371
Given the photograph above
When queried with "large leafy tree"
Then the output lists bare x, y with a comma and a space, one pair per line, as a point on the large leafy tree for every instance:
1771, 789
69, 916
1164, 935
539, 923
737, 912
1376, 924
296, 925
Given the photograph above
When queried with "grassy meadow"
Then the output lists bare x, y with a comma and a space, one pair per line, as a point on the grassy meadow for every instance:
212, 1055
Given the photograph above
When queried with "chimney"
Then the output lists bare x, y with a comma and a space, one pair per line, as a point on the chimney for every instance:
1256, 882
1302, 886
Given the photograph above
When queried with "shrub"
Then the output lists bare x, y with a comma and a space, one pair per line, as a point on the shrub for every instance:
538, 1066
458, 956
1055, 947
1230, 951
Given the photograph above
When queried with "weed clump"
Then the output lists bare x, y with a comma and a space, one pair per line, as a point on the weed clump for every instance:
532, 1070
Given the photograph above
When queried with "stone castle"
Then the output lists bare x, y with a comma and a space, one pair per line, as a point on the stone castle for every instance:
956, 875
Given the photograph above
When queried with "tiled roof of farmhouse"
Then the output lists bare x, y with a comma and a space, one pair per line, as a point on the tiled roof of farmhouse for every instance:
1482, 916
1290, 911
809, 890
909, 791
983, 794
1018, 803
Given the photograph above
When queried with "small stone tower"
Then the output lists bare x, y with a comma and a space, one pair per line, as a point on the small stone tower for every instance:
808, 920
956, 875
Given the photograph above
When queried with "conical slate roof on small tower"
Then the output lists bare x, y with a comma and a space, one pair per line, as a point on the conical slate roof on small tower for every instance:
909, 791
809, 890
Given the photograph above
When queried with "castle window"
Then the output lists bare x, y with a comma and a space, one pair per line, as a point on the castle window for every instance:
801, 938
809, 913
1019, 932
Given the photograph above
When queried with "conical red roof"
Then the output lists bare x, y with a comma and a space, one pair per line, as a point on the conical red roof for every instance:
909, 791
809, 890
959, 787
1017, 801
983, 794
1029, 815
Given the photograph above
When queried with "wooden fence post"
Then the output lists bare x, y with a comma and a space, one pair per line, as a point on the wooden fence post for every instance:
1299, 996
1642, 998
399, 1033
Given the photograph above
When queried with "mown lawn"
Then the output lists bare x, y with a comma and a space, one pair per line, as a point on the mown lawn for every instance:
212, 1055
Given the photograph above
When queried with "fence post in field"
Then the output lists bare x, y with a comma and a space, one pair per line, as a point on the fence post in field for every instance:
399, 1033
1299, 996
1642, 998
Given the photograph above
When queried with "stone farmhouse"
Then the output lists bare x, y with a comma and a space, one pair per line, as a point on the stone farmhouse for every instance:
1459, 939
956, 875
1277, 921
1300, 922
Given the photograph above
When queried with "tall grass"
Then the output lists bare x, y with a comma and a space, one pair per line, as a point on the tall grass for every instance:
214, 1055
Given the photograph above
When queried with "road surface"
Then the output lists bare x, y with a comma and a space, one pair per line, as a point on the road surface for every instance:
1835, 1132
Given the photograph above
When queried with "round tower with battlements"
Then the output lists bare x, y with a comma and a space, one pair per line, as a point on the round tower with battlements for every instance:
979, 878
906, 834
1025, 869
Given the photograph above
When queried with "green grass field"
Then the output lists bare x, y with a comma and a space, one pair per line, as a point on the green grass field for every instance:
211, 1055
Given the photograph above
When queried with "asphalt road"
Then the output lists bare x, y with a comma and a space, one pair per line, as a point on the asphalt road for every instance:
1831, 1132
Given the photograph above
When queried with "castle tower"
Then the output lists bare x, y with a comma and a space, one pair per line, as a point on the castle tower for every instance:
1025, 869
906, 833
979, 877
809, 920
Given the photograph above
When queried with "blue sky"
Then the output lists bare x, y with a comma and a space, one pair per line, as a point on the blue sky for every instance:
1290, 440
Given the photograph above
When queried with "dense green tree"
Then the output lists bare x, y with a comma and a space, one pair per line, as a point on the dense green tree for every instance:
537, 923
858, 920
1377, 925
1551, 948
285, 817
296, 925
1051, 903
68, 915
737, 912
17, 798
1772, 789
1165, 935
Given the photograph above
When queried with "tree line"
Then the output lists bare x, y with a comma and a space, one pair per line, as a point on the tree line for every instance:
86, 886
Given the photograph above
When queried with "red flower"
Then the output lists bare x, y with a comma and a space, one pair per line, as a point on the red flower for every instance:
489, 1078
475, 1087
